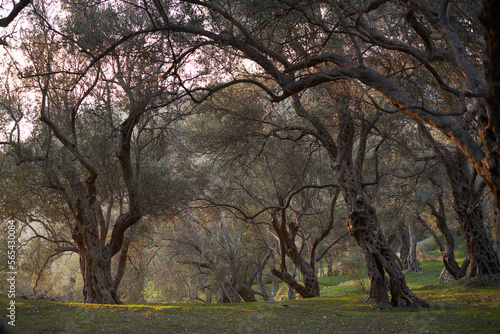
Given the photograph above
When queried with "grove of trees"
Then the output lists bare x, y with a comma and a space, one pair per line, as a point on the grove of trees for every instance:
212, 147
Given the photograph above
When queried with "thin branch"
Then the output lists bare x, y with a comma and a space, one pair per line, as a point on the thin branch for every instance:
18, 7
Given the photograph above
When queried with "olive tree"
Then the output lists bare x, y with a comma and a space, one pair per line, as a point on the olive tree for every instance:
99, 130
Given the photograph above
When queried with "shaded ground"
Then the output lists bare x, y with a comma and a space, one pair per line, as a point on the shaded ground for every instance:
455, 308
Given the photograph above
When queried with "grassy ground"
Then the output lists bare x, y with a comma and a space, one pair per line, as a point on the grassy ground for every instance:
455, 308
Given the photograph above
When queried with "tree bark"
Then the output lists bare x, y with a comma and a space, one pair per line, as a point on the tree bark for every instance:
122, 261
363, 225
447, 252
329, 267
98, 286
95, 265
496, 223
310, 289
362, 221
490, 122
483, 257
466, 203
291, 281
306, 268
291, 290
413, 265
484, 260
259, 273
296, 77
404, 247
81, 196
309, 278
246, 293
394, 233
276, 286
262, 287
228, 292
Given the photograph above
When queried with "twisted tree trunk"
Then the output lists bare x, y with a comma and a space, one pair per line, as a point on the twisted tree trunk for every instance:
95, 258
98, 286
228, 292
310, 287
246, 293
362, 221
447, 252
90, 232
379, 257
363, 225
484, 259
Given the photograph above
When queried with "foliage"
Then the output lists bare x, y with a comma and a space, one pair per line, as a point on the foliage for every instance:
351, 265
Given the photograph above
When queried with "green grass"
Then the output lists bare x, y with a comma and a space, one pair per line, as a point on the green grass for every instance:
341, 285
451, 312
432, 270
456, 307
433, 252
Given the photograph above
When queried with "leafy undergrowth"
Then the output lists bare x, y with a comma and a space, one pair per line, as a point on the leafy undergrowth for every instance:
457, 307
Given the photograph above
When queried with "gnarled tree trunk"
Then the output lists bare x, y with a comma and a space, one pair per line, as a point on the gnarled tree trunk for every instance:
310, 287
90, 232
262, 287
98, 286
246, 293
447, 252
466, 203
490, 120
228, 292
258, 276
95, 259
362, 222
484, 260
364, 227
276, 286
